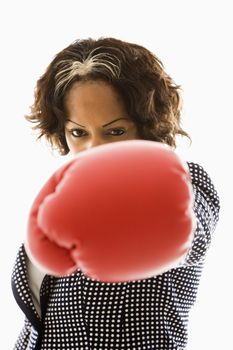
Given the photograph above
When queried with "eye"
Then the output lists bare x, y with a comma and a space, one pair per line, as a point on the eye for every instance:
77, 132
116, 132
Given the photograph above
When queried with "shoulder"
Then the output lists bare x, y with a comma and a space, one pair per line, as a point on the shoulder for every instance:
203, 184
198, 174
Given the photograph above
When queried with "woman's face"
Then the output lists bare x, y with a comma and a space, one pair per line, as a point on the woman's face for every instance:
96, 115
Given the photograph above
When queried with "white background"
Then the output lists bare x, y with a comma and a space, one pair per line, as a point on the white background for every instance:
194, 41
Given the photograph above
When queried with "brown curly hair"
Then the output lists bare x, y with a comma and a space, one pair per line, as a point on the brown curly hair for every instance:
151, 97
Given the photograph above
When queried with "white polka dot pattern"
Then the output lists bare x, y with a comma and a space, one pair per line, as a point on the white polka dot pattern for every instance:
19, 277
81, 313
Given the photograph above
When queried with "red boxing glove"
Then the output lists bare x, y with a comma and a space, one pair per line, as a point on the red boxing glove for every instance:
119, 212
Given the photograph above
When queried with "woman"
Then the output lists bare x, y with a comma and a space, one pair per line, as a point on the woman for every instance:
95, 92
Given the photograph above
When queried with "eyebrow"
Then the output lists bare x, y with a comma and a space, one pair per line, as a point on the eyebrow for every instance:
103, 126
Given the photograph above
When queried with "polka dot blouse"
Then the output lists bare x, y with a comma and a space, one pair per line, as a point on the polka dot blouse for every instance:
79, 313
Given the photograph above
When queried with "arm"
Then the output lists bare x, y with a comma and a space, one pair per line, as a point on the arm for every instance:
35, 278
206, 209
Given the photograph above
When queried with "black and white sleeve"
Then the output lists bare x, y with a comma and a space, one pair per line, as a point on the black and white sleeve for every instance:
206, 210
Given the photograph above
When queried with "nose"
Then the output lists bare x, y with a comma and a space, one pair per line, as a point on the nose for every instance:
93, 142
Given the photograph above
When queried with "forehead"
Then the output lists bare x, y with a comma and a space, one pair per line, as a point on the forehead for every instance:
94, 87
94, 97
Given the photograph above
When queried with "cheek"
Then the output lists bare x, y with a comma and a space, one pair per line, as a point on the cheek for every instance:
134, 134
73, 147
